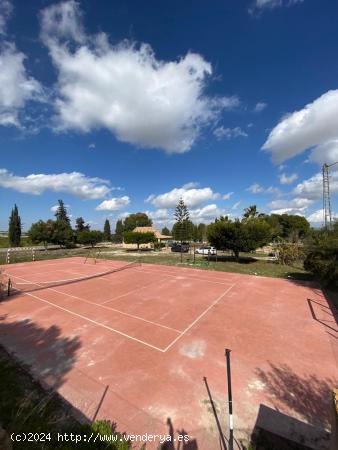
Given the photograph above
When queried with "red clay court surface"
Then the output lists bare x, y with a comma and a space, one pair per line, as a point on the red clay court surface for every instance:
134, 346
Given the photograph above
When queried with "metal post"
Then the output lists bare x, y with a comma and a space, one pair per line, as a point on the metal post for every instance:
231, 422
194, 253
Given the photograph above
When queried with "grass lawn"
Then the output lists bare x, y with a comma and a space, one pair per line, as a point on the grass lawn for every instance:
247, 264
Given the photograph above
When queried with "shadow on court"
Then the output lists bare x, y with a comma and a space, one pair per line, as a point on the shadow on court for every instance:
183, 443
48, 355
308, 396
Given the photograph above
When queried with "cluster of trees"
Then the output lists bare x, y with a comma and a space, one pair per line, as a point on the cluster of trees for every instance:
60, 231
132, 221
244, 235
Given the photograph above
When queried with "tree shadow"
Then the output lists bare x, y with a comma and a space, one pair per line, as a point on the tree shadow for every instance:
44, 351
228, 258
307, 396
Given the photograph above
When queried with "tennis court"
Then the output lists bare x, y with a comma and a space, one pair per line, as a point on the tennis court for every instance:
132, 343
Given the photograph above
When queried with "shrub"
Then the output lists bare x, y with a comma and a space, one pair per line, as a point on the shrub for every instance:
288, 253
322, 259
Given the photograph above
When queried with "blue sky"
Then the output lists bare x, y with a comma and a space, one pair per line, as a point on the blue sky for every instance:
125, 106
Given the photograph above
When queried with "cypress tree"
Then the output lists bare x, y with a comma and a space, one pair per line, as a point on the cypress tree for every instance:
106, 231
182, 226
61, 213
119, 229
14, 228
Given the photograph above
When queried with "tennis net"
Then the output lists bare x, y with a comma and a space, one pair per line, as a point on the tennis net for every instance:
19, 286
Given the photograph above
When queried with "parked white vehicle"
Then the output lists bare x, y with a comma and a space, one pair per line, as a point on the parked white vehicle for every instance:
206, 250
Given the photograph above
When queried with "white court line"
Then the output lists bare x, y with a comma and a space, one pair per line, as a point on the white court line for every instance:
96, 323
134, 290
130, 337
198, 318
108, 307
186, 276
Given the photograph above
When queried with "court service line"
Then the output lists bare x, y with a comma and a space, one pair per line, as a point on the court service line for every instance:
107, 307
190, 277
198, 318
95, 322
134, 290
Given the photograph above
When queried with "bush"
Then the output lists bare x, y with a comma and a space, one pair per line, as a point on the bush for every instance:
288, 253
322, 259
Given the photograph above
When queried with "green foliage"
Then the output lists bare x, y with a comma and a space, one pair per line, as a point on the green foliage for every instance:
62, 234
322, 257
289, 252
251, 213
288, 226
139, 219
183, 231
14, 228
81, 225
41, 232
90, 237
107, 231
183, 227
238, 236
165, 231
62, 231
61, 213
133, 237
118, 236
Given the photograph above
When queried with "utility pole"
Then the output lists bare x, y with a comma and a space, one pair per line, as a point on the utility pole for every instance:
327, 212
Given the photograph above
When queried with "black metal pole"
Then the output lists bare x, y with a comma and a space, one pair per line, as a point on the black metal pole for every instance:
231, 422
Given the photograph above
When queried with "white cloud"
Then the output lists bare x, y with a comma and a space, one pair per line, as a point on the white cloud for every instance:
260, 106
227, 196
236, 205
229, 133
160, 214
260, 5
191, 196
114, 204
206, 214
258, 189
316, 124
294, 206
74, 183
325, 153
124, 88
16, 86
255, 188
312, 188
318, 217
287, 179
6, 9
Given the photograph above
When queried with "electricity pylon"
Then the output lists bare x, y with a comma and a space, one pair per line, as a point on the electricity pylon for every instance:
327, 212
